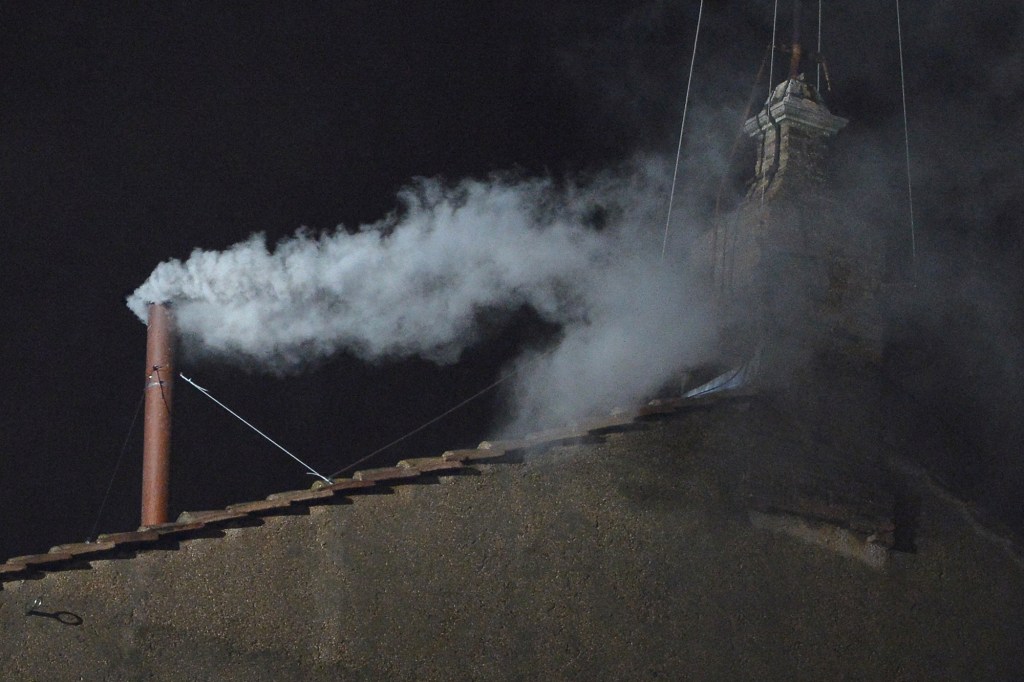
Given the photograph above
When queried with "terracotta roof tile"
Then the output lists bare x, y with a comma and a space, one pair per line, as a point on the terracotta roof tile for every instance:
540, 439
257, 506
385, 474
508, 445
302, 495
130, 537
36, 560
431, 464
341, 484
82, 548
210, 516
174, 528
11, 567
478, 454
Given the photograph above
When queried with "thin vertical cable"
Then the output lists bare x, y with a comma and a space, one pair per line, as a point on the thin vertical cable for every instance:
682, 127
768, 104
771, 66
817, 65
117, 467
906, 143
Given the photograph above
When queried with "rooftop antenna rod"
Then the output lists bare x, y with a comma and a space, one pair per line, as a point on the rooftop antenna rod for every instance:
795, 50
817, 65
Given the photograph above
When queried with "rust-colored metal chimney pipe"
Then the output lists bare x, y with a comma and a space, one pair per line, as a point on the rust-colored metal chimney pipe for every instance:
156, 447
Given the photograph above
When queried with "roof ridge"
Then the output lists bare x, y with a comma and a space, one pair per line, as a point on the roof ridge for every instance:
193, 523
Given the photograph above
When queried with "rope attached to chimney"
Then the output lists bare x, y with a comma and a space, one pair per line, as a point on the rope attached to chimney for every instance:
425, 424
237, 416
497, 382
117, 467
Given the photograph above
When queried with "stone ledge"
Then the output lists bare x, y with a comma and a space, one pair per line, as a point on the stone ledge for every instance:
832, 538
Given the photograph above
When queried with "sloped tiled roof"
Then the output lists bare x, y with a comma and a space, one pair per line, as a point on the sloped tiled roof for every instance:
866, 511
192, 524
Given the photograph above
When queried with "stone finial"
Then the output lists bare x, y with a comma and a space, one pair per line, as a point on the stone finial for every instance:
793, 125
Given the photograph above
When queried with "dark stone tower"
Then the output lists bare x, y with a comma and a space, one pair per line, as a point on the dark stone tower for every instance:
796, 274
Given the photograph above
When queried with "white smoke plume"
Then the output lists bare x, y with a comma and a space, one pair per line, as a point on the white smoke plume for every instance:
584, 255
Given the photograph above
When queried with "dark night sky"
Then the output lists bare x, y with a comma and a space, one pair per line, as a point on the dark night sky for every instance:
134, 132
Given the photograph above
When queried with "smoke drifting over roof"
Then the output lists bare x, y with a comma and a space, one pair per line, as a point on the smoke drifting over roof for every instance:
134, 133
422, 281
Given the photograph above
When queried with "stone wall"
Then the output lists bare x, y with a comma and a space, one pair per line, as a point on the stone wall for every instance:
631, 559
